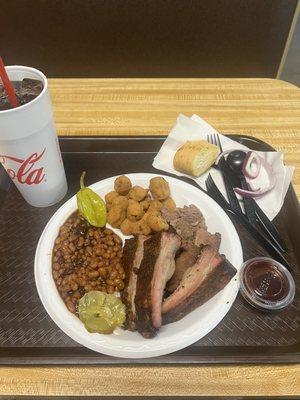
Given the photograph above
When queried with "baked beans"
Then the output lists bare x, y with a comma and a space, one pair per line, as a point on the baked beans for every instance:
86, 258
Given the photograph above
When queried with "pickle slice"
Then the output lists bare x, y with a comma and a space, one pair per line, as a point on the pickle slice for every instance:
101, 312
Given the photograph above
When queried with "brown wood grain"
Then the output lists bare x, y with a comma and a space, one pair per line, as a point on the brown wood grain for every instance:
265, 108
151, 381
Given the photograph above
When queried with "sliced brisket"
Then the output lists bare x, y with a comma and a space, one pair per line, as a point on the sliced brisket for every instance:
155, 270
185, 221
203, 237
210, 274
185, 260
131, 259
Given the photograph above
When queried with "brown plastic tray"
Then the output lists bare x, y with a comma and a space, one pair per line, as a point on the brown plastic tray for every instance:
29, 336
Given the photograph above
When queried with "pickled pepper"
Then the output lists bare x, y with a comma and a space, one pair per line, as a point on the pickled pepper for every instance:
90, 205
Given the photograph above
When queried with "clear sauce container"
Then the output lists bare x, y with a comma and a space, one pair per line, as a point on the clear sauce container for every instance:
266, 284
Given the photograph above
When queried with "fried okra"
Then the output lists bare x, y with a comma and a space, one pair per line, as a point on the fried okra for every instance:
159, 188
138, 193
123, 185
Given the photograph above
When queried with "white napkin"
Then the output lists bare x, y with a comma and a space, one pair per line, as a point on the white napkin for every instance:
195, 128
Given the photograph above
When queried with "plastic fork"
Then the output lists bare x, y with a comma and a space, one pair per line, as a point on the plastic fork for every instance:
223, 167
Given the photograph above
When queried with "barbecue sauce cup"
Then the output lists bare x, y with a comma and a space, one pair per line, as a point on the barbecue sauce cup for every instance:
266, 284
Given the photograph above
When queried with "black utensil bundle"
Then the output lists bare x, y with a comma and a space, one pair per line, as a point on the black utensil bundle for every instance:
254, 220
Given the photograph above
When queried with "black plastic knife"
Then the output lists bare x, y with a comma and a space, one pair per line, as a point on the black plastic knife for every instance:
255, 214
232, 198
268, 245
214, 192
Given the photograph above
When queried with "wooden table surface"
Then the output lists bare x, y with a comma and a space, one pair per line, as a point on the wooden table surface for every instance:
265, 108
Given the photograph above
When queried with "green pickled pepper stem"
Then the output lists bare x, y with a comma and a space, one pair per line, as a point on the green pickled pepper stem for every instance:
82, 180
90, 205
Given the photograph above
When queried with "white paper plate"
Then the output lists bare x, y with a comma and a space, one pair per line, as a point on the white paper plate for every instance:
171, 337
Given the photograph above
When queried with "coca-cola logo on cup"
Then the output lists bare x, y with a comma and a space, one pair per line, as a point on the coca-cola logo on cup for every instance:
25, 171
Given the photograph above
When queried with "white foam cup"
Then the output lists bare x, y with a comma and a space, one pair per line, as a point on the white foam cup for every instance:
29, 148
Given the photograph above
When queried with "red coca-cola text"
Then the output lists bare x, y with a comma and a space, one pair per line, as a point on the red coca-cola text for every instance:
26, 173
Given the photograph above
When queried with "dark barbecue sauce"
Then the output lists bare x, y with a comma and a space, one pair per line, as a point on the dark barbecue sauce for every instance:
266, 284
266, 280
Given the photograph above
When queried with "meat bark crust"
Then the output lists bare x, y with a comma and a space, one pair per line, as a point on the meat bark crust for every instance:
158, 260
132, 256
210, 274
129, 251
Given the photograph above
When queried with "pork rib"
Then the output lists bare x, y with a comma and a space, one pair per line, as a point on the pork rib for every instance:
131, 259
210, 274
155, 270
